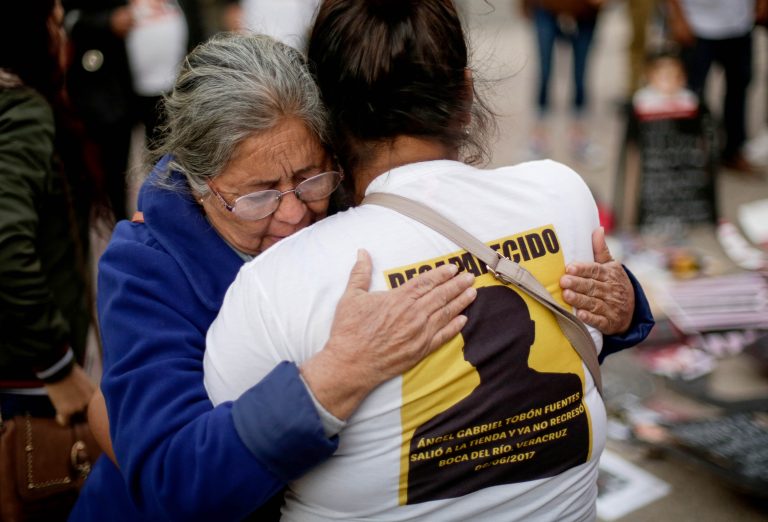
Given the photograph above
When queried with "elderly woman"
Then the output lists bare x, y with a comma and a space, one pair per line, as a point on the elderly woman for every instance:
245, 165
503, 422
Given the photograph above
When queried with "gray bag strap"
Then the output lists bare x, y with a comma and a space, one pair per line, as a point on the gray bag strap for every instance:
504, 269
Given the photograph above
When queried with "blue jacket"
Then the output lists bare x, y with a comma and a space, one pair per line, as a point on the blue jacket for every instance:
161, 284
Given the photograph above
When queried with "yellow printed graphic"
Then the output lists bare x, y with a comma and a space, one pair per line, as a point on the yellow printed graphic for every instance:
465, 442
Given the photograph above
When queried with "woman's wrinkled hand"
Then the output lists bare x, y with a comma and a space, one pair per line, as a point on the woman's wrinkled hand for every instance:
71, 394
601, 291
376, 336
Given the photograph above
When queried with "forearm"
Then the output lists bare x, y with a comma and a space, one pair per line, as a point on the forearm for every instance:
173, 447
278, 421
174, 471
174, 457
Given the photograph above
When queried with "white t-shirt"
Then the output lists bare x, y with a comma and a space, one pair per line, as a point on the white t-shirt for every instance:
501, 423
719, 19
156, 45
650, 102
286, 20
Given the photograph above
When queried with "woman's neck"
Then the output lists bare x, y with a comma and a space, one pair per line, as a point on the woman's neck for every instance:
403, 150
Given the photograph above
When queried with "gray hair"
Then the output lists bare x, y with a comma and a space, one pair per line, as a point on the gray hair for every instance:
229, 88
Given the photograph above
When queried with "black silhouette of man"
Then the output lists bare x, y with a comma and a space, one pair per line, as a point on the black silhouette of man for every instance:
497, 340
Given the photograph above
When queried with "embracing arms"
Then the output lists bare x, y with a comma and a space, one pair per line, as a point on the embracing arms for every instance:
173, 447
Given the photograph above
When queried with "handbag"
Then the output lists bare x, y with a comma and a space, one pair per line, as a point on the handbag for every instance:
42, 467
504, 269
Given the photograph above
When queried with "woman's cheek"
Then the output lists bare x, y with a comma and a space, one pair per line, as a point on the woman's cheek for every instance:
318, 209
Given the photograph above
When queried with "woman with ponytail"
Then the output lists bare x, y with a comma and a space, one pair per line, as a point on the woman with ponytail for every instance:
503, 422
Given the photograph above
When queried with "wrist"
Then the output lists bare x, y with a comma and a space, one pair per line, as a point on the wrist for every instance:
624, 328
332, 425
337, 385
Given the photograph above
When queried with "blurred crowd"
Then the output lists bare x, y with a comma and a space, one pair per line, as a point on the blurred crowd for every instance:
123, 57
698, 34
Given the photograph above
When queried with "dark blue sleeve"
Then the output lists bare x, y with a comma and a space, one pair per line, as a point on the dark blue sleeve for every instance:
642, 322
282, 446
181, 458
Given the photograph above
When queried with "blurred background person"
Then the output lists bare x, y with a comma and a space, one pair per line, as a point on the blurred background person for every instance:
714, 31
287, 20
44, 209
125, 55
100, 85
664, 92
574, 21
640, 13
756, 149
156, 45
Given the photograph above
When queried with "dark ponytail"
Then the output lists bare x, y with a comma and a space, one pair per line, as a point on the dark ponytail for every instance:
388, 68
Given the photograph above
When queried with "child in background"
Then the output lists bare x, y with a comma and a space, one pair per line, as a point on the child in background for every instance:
665, 94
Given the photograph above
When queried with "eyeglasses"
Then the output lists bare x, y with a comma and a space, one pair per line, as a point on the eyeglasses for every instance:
258, 205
